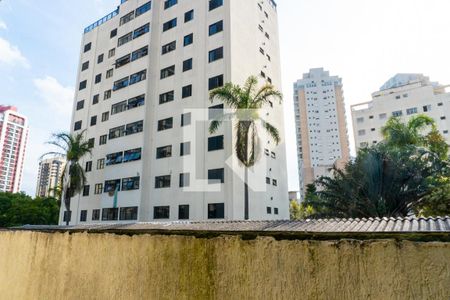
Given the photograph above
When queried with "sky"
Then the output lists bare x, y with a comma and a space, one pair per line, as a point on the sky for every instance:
364, 42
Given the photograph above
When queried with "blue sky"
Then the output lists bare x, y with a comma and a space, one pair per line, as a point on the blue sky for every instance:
364, 42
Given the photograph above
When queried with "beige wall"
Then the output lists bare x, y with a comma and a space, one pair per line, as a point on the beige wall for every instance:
104, 266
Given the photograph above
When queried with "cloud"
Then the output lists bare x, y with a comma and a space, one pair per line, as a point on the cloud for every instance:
3, 25
11, 55
58, 97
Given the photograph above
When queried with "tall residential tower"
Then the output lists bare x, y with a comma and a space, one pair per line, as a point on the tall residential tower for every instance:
322, 137
145, 73
49, 176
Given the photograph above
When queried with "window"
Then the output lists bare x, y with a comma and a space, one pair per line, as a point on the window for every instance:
169, 47
267, 180
261, 50
103, 139
269, 210
398, 97
122, 61
95, 99
382, 116
273, 155
187, 65
83, 216
130, 184
215, 28
215, 54
213, 4
398, 113
136, 101
188, 16
114, 158
91, 143
186, 91
167, 72
87, 47
143, 9
96, 215
185, 179
135, 127
161, 212
216, 211
84, 66
113, 33
93, 120
111, 52
109, 73
445, 131
185, 119
216, 176
166, 97
82, 85
67, 216
80, 104
164, 152
137, 77
88, 167
169, 3
361, 132
128, 213
77, 125
116, 132
98, 189
120, 84
165, 124
110, 214
360, 120
170, 24
427, 108
263, 75
440, 104
275, 210
267, 36
185, 148
105, 116
119, 107
162, 182
139, 53
86, 190
111, 185
443, 118
107, 95
98, 78
127, 18
183, 212
215, 111
100, 58
372, 129
370, 117
188, 39
274, 182
141, 31
132, 155
215, 82
124, 39
215, 143
100, 164
411, 111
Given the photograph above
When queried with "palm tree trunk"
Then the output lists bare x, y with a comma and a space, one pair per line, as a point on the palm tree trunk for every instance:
67, 206
246, 194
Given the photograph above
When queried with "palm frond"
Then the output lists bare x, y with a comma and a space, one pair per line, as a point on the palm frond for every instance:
272, 131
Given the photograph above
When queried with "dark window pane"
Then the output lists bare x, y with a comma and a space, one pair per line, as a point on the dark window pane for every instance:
187, 65
215, 143
215, 82
216, 176
132, 155
144, 8
170, 24
130, 184
110, 214
161, 212
216, 211
163, 152
215, 28
162, 182
129, 213
183, 212
189, 16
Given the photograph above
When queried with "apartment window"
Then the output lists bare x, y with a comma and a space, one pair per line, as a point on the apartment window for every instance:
216, 176
188, 16
185, 148
141, 31
67, 216
100, 58
215, 28
273, 155
103, 139
98, 78
427, 108
274, 182
269, 210
188, 39
127, 18
87, 47
170, 24
100, 164
113, 33
185, 119
135, 127
360, 120
215, 54
124, 39
268, 180
361, 132
88, 167
128, 213
85, 66
143, 9
186, 91
86, 190
167, 72
119, 107
107, 95
372, 129
185, 180
80, 104
275, 210
130, 184
137, 77
110, 214
96, 215
164, 152
445, 131
382, 116
120, 84
132, 155
213, 4
114, 158
398, 113
77, 125
136, 101
267, 35
105, 116
82, 85
262, 51
263, 75
165, 124
169, 47
169, 3
122, 61
83, 216
162, 182
93, 120
443, 118
215, 82
411, 111
116, 132
109, 73
161, 212
440, 104
398, 97
215, 111
215, 143
112, 52
91, 143
139, 53
183, 212
216, 211
187, 65
98, 189
166, 97
95, 99
111, 185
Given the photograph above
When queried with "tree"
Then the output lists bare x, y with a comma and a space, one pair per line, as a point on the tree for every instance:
437, 202
246, 102
73, 179
300, 211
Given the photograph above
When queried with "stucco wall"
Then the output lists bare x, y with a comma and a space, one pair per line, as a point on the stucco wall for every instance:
105, 266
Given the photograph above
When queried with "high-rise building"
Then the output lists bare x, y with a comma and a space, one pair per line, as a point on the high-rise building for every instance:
404, 95
322, 137
49, 176
142, 96
13, 140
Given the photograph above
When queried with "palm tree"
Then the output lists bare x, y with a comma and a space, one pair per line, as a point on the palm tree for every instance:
246, 102
73, 148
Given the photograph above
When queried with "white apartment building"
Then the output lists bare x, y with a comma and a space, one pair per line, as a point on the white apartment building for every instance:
322, 137
13, 140
144, 79
404, 95
49, 176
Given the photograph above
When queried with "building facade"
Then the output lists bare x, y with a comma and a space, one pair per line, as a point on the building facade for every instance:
404, 95
145, 73
49, 177
13, 142
322, 137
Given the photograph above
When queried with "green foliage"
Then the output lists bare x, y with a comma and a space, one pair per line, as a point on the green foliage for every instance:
437, 202
20, 209
300, 211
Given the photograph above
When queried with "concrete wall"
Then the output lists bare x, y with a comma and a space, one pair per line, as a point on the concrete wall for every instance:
105, 266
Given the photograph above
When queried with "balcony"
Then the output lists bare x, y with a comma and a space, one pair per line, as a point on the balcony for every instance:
103, 20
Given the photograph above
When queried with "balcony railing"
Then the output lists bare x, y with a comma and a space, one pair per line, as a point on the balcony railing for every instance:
103, 20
